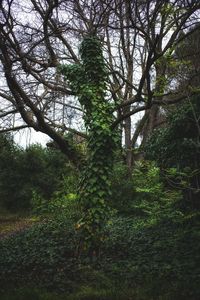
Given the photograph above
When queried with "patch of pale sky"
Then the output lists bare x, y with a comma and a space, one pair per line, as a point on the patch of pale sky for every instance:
28, 136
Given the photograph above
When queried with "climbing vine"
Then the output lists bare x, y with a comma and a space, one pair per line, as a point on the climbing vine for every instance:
88, 82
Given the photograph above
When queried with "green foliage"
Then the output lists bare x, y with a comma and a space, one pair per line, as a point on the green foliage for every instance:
58, 204
38, 256
153, 200
31, 294
84, 293
29, 172
187, 55
89, 293
62, 201
145, 194
177, 144
138, 260
153, 254
10, 178
88, 82
122, 188
159, 260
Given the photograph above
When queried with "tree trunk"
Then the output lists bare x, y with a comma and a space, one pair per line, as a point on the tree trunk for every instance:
152, 119
128, 145
88, 81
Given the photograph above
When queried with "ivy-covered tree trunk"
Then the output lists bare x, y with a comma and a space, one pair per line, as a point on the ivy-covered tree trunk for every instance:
88, 81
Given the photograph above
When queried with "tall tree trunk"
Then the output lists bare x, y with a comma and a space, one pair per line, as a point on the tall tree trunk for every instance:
88, 81
128, 144
154, 111
150, 124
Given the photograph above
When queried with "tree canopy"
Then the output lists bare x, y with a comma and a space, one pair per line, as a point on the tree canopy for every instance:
138, 38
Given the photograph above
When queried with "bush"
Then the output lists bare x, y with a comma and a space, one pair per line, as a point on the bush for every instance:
59, 204
153, 200
10, 180
35, 170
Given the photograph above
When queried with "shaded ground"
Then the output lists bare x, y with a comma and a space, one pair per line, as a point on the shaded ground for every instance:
11, 224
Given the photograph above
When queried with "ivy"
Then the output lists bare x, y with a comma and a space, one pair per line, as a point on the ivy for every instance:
88, 81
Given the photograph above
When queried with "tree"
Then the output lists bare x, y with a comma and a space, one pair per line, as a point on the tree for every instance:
136, 36
187, 61
88, 81
177, 146
138, 39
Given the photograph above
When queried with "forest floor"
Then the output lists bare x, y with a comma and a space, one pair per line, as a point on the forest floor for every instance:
13, 223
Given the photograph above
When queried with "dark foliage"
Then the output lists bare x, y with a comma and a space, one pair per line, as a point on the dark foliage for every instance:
178, 145
155, 260
24, 172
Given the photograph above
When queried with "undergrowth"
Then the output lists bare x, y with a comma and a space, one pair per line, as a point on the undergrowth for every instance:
159, 261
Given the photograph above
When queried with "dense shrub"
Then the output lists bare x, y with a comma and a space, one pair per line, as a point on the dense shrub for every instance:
33, 171
153, 200
60, 204
151, 248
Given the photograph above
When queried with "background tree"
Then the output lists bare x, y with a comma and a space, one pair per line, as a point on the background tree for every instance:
187, 57
177, 146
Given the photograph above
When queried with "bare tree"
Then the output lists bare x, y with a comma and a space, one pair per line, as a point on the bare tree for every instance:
139, 38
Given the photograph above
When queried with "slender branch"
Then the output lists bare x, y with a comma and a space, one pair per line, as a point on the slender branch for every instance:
8, 113
69, 105
13, 128
132, 112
